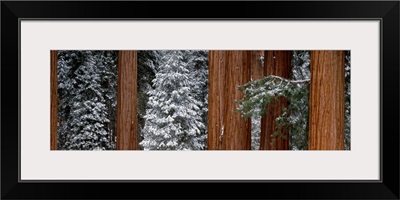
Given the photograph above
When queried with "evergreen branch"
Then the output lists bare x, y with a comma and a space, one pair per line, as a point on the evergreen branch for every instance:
287, 80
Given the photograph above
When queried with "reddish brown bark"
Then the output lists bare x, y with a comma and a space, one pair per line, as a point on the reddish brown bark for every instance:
227, 130
215, 100
326, 121
127, 131
275, 63
53, 99
257, 67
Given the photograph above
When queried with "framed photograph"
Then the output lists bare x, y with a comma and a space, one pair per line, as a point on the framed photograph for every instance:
274, 100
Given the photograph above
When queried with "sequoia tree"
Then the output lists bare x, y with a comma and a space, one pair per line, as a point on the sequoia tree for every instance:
268, 96
273, 135
54, 100
127, 129
326, 122
227, 130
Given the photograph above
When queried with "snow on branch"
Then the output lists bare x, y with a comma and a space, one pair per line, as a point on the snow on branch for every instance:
290, 81
262, 92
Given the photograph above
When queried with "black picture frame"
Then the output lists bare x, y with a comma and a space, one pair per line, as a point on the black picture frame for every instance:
386, 11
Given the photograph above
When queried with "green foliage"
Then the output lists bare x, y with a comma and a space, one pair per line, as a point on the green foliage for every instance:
260, 93
299, 108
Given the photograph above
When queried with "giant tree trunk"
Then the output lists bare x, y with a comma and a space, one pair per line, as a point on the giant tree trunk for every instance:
257, 66
227, 130
53, 99
276, 63
326, 122
127, 130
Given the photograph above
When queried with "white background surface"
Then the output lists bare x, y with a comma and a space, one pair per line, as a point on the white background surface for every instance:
39, 37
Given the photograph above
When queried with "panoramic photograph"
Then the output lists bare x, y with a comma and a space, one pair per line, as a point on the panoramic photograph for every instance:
200, 100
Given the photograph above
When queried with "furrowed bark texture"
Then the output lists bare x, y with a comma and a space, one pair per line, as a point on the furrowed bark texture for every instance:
53, 99
326, 122
257, 67
276, 63
127, 130
227, 130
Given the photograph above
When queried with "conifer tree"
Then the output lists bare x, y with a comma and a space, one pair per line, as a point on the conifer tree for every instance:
87, 93
172, 120
147, 64
68, 63
198, 66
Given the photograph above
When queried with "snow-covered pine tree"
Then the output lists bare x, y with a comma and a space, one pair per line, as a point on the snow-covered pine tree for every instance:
109, 85
89, 110
198, 66
172, 119
147, 64
68, 63
87, 93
